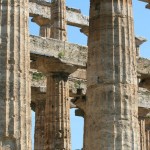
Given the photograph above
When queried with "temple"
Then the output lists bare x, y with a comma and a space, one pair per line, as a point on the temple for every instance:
106, 81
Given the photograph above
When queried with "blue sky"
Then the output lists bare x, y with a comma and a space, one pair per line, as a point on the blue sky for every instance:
142, 28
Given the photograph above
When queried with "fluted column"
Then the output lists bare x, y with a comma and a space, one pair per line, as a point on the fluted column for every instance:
57, 117
111, 119
147, 131
45, 31
142, 133
147, 139
15, 111
58, 20
56, 28
39, 124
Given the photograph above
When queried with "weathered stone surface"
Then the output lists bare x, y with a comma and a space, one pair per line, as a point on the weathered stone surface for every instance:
39, 98
144, 72
148, 139
79, 83
57, 121
143, 68
39, 125
37, 94
36, 9
72, 54
111, 108
142, 134
73, 16
144, 98
57, 117
15, 111
147, 130
139, 41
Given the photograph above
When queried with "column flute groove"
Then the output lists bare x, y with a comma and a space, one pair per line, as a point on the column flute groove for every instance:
111, 108
15, 79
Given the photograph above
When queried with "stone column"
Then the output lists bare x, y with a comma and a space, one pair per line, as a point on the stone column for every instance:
45, 31
144, 127
147, 139
57, 111
142, 133
111, 119
57, 117
56, 28
147, 130
15, 111
39, 124
58, 20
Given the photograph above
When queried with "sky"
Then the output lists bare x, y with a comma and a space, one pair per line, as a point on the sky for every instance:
142, 28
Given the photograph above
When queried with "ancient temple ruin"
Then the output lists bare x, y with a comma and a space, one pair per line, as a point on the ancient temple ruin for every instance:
108, 82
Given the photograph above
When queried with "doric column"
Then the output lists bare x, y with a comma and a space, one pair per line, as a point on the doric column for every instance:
142, 133
39, 124
147, 139
144, 127
45, 31
15, 111
56, 28
57, 117
147, 129
111, 119
58, 20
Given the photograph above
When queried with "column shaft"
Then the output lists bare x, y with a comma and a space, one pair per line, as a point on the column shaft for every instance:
57, 117
142, 134
147, 139
58, 16
57, 27
15, 112
45, 31
111, 119
39, 124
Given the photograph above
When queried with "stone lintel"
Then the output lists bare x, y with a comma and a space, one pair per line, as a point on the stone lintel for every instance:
78, 99
75, 18
73, 54
144, 98
41, 2
143, 70
143, 67
43, 9
58, 52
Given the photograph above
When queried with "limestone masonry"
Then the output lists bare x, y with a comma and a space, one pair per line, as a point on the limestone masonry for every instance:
107, 81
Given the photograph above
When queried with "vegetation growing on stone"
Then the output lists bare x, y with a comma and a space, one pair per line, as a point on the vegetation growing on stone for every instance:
37, 76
